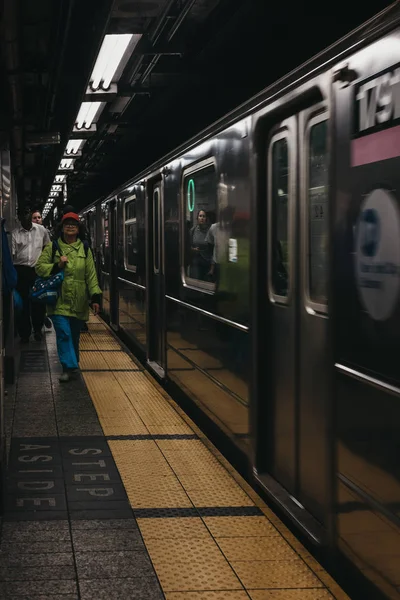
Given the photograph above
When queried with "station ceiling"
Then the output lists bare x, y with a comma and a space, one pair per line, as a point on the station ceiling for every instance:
192, 61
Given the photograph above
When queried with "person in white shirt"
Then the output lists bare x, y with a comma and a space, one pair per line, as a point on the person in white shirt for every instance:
28, 241
38, 219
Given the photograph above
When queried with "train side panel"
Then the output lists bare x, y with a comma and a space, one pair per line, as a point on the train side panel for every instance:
366, 283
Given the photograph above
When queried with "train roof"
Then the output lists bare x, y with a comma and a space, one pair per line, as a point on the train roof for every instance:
372, 29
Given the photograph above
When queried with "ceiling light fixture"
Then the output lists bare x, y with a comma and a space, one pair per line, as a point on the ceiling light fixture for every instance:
60, 179
74, 146
66, 164
112, 57
87, 114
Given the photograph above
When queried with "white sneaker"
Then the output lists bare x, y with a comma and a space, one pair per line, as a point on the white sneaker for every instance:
64, 377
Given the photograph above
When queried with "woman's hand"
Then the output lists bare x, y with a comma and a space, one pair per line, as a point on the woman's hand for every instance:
96, 308
63, 261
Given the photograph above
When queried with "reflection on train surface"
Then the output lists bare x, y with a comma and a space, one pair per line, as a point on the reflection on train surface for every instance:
257, 267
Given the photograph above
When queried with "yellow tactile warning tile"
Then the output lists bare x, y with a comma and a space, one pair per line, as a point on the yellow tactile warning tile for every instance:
256, 548
92, 361
105, 341
286, 594
275, 574
224, 595
146, 400
208, 490
106, 394
174, 528
86, 342
191, 565
208, 558
165, 429
119, 360
239, 527
128, 424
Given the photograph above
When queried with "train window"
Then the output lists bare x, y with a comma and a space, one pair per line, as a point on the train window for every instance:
106, 239
156, 229
130, 234
317, 200
279, 203
200, 194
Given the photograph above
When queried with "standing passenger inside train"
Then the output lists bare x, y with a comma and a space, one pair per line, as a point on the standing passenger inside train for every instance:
200, 251
79, 288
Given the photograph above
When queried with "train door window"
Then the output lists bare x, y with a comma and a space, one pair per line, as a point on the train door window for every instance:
279, 215
156, 228
92, 227
200, 206
106, 237
317, 204
130, 234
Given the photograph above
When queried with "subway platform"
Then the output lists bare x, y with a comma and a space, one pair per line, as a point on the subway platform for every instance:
113, 493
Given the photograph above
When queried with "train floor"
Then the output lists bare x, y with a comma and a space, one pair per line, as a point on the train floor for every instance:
112, 492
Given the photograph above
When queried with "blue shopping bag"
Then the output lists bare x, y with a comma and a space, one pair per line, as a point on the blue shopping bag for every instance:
47, 291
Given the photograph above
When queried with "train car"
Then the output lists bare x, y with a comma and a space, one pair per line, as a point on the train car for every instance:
258, 268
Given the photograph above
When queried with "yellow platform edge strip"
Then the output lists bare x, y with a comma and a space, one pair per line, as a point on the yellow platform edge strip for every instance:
123, 417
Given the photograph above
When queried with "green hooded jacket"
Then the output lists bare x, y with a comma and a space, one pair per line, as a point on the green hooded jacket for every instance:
80, 285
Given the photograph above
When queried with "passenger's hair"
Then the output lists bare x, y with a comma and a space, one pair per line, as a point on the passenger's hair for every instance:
68, 208
24, 211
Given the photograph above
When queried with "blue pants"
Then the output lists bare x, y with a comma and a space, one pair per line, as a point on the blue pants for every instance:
68, 331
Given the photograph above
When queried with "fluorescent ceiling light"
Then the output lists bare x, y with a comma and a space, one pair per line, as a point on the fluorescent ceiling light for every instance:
111, 59
56, 188
74, 146
53, 194
66, 163
60, 179
87, 114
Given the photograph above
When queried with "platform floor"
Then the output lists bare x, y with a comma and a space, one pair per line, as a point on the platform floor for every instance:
113, 493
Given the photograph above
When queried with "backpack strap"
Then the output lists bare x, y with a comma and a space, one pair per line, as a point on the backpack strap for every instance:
86, 247
54, 249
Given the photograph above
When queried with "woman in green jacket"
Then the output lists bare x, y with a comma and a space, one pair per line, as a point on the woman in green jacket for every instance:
79, 288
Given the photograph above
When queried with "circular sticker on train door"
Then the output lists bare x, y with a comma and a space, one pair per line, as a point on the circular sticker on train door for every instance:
377, 255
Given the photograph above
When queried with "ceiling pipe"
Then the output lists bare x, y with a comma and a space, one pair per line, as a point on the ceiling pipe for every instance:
12, 67
180, 18
153, 37
65, 25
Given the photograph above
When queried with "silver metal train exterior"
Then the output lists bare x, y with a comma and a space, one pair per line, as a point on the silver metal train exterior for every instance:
292, 345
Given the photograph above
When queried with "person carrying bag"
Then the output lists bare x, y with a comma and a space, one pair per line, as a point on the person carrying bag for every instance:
78, 288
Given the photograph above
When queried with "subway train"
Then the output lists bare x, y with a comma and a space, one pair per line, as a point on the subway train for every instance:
257, 269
